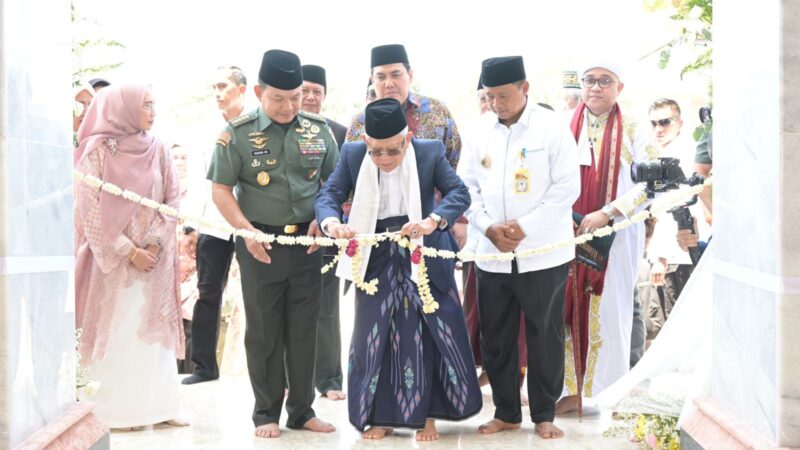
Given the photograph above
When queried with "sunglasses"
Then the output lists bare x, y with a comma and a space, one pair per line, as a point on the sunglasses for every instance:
661, 122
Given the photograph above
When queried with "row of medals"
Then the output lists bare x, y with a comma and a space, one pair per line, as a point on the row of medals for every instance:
259, 142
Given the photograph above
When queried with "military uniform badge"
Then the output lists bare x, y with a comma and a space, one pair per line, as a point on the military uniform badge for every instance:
224, 139
262, 178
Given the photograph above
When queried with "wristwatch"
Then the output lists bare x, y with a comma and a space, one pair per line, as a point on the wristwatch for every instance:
441, 222
609, 211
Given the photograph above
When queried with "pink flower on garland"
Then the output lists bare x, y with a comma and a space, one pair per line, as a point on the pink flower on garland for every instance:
416, 255
352, 246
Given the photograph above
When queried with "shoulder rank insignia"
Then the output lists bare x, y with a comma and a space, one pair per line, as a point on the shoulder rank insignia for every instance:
243, 119
223, 139
311, 115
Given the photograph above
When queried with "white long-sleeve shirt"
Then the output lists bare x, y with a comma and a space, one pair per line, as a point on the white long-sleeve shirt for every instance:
664, 242
393, 202
200, 203
489, 162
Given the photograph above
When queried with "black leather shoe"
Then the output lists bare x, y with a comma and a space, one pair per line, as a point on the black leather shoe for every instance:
195, 378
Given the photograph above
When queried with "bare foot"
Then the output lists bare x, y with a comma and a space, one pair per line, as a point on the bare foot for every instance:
335, 395
523, 399
270, 430
316, 425
376, 433
496, 425
483, 379
567, 405
429, 432
548, 431
176, 423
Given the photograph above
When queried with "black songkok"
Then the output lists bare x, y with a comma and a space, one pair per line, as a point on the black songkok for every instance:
384, 118
389, 54
503, 70
314, 74
281, 69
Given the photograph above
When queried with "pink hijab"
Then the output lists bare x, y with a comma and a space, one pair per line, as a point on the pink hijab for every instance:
115, 114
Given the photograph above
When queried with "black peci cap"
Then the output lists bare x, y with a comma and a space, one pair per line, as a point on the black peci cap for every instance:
503, 70
314, 74
281, 69
388, 54
384, 118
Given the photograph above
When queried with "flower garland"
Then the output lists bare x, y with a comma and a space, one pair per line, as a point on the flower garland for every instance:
333, 262
429, 305
663, 203
353, 250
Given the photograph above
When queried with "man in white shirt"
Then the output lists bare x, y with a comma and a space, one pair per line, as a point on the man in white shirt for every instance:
214, 247
521, 168
671, 265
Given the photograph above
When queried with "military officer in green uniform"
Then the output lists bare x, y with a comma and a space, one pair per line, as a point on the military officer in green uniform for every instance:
276, 158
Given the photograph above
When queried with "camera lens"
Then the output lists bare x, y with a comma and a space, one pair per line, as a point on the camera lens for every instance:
646, 172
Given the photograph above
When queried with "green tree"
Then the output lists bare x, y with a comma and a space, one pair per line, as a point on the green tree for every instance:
695, 18
91, 55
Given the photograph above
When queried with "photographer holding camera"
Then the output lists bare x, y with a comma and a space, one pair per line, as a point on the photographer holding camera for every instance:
671, 264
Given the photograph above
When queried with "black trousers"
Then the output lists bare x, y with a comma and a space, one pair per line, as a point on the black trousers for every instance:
281, 303
328, 375
185, 365
674, 281
540, 295
214, 257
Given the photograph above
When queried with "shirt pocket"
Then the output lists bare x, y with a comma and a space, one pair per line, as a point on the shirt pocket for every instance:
312, 152
533, 173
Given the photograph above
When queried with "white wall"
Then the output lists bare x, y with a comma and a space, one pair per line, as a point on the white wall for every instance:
37, 380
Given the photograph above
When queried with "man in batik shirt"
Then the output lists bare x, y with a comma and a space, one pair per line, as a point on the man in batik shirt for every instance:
427, 117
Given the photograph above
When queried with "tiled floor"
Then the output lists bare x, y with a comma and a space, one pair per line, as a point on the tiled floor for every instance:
219, 414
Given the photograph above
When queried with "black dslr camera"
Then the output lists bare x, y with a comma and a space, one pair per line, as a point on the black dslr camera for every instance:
664, 175
660, 176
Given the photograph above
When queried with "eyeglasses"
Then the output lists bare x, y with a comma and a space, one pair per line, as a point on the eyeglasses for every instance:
663, 123
603, 82
390, 152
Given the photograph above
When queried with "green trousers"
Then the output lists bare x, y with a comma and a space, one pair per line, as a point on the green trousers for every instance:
281, 302
329, 335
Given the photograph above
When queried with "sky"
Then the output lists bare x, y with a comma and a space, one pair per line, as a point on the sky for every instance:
175, 45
